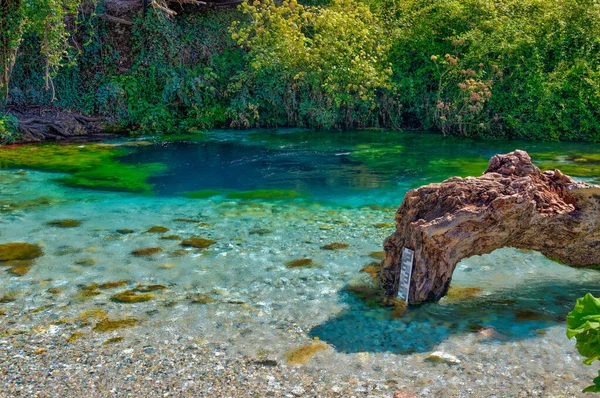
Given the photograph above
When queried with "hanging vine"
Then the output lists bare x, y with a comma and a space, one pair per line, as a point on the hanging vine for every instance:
48, 19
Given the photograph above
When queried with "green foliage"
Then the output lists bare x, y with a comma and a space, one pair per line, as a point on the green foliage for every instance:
483, 68
8, 129
583, 323
47, 20
330, 62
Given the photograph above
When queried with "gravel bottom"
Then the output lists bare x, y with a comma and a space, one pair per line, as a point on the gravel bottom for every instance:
46, 365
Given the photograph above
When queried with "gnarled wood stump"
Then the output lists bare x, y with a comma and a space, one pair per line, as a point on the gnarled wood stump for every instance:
512, 204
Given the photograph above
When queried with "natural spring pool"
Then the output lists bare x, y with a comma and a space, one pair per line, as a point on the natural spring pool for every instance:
261, 200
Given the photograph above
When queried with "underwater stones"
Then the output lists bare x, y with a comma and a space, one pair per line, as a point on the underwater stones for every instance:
19, 251
512, 204
67, 223
75, 336
199, 243
377, 255
8, 297
55, 290
302, 354
157, 229
170, 237
19, 270
148, 288
92, 313
113, 284
113, 340
86, 262
167, 266
147, 251
125, 231
129, 297
371, 269
201, 299
335, 246
301, 263
458, 293
88, 291
260, 231
443, 357
107, 325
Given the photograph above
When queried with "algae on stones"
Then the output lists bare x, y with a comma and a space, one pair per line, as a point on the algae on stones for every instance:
148, 251
129, 296
302, 354
301, 263
19, 251
107, 325
158, 229
67, 223
199, 243
335, 246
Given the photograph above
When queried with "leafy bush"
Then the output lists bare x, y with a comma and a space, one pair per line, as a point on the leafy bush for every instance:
583, 323
8, 129
514, 69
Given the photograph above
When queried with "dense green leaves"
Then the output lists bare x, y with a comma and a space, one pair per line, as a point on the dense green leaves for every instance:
583, 323
47, 19
510, 68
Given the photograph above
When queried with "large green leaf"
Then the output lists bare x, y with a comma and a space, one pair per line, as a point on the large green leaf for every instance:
583, 323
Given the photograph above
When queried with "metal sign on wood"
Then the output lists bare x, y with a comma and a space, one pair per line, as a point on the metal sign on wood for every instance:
408, 256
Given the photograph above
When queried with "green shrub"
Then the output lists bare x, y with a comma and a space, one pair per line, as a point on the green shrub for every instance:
8, 129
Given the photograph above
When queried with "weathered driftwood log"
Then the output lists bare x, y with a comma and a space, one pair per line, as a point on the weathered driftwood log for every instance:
512, 204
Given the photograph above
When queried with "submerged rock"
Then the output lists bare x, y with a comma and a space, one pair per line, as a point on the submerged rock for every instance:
148, 251
170, 237
125, 231
302, 354
129, 296
107, 325
512, 204
158, 229
199, 243
335, 246
19, 251
301, 262
68, 223
443, 357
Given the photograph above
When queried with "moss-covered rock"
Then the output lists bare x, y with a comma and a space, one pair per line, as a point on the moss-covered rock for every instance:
201, 299
66, 223
204, 194
113, 284
157, 229
147, 251
125, 231
301, 263
199, 243
19, 251
302, 354
335, 246
86, 262
148, 288
129, 297
377, 255
171, 237
107, 325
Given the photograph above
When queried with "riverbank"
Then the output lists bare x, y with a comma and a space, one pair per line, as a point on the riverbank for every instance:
36, 123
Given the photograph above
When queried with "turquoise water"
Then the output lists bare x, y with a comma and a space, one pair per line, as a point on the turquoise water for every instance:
267, 198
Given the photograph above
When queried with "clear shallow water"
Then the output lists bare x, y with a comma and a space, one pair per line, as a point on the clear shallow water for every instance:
347, 186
